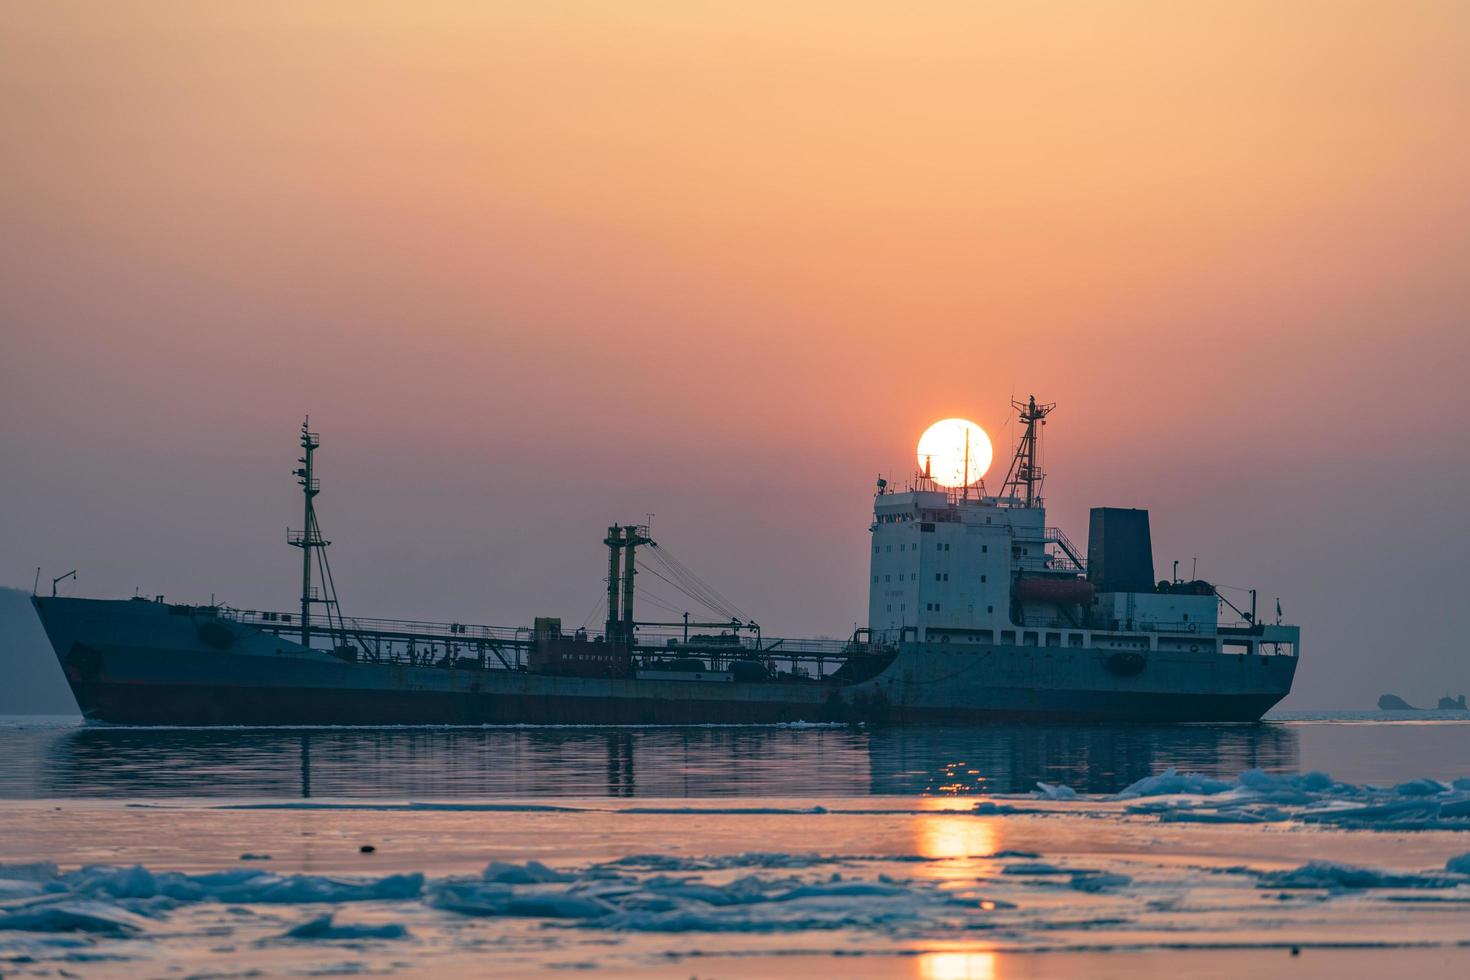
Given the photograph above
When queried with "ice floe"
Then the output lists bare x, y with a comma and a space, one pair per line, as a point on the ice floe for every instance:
242, 886
530, 873
638, 893
740, 811
1256, 796
323, 927
1338, 877
749, 859
652, 902
73, 916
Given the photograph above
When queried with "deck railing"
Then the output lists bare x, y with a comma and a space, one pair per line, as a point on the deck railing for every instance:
649, 639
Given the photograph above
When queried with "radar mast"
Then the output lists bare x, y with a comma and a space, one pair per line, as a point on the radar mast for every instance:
1025, 473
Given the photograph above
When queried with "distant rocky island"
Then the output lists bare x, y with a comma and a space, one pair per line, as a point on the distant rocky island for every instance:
1392, 702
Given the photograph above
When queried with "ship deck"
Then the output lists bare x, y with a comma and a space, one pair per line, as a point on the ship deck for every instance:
507, 648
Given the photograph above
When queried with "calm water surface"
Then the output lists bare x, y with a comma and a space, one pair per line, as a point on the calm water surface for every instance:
53, 760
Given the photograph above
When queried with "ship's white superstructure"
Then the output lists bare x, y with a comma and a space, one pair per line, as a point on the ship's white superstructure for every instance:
942, 565
959, 565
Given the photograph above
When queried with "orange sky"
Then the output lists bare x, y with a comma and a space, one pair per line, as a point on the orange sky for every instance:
537, 267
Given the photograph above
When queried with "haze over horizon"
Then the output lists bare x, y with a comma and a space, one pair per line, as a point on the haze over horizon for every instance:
532, 271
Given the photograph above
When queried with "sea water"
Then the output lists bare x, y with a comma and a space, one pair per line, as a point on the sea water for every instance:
1321, 845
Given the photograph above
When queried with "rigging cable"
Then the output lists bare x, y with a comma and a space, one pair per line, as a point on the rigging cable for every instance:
690, 585
684, 591
709, 593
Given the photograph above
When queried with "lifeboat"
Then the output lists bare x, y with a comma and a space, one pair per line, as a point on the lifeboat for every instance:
1062, 591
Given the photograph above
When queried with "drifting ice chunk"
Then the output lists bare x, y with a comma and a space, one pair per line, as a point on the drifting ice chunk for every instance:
1421, 787
1098, 881
1172, 782
1033, 868
34, 871
1339, 877
242, 886
750, 859
530, 873
492, 899
840, 889
322, 927
987, 808
95, 917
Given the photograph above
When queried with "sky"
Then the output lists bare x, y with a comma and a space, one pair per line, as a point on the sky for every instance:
536, 268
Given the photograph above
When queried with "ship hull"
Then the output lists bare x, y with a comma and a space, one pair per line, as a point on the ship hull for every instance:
164, 704
145, 664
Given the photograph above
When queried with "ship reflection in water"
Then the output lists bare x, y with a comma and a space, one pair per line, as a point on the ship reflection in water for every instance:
431, 764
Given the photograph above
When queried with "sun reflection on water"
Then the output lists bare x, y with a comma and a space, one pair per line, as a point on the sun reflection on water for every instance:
957, 965
958, 779
953, 833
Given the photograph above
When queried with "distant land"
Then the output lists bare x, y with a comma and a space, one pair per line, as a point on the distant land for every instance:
34, 684
1392, 702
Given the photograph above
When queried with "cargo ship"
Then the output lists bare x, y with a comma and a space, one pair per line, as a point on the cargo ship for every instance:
978, 611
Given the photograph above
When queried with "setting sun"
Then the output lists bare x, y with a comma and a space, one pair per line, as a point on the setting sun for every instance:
955, 452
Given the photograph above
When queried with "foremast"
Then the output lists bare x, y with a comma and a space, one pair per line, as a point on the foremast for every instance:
310, 539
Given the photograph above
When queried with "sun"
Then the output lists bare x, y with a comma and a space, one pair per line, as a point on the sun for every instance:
943, 452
